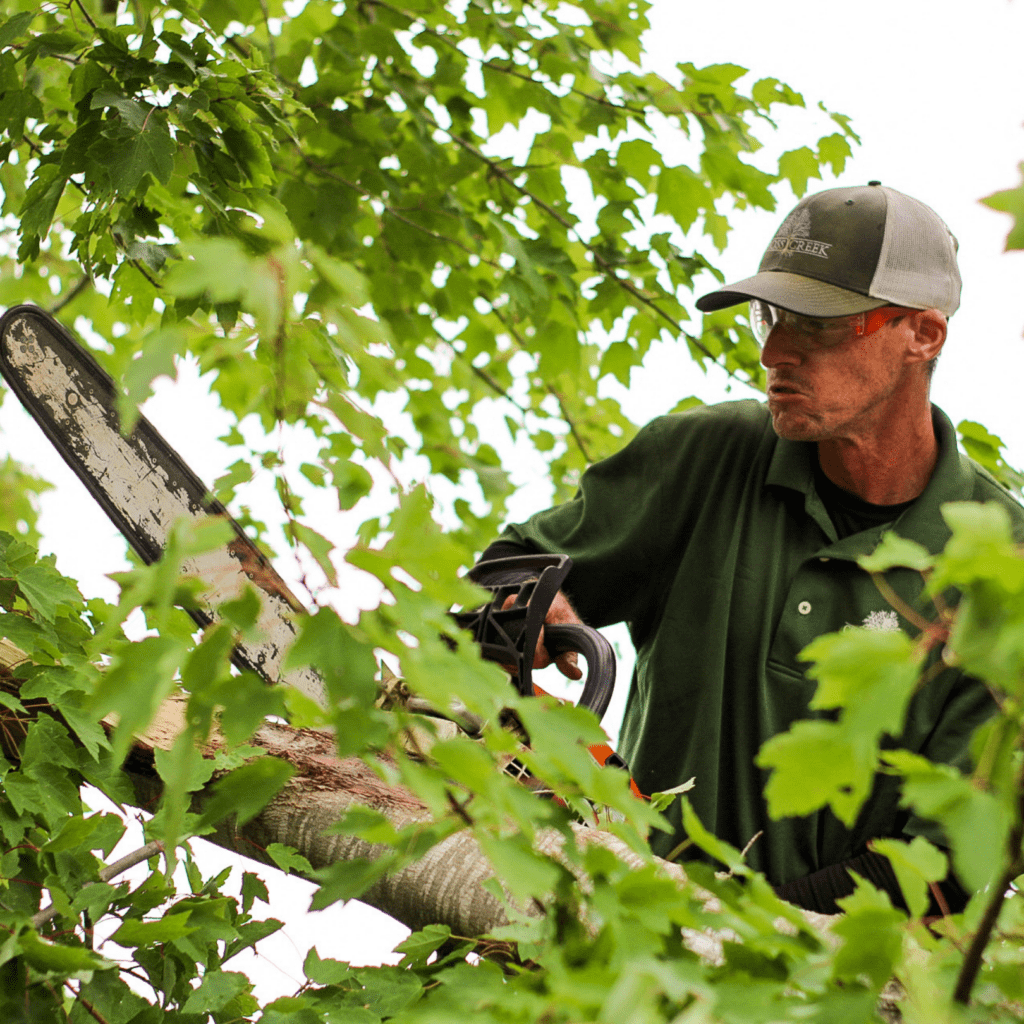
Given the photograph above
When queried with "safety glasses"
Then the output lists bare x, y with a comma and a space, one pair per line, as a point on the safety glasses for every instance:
815, 332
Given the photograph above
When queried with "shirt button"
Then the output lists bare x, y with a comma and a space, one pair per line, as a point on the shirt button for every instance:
804, 607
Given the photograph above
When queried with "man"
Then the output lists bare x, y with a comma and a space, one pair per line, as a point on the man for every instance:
727, 536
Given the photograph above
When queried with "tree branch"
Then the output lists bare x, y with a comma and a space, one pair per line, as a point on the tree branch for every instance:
85, 14
86, 1005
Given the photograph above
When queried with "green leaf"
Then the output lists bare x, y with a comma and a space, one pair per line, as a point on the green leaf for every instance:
1011, 201
683, 195
217, 989
289, 860
835, 151
46, 590
99, 831
661, 801
916, 864
894, 550
348, 879
135, 154
418, 946
15, 27
156, 358
253, 888
872, 934
324, 972
133, 933
135, 685
842, 775
41, 200
986, 449
798, 166
247, 790
939, 793
63, 961
319, 547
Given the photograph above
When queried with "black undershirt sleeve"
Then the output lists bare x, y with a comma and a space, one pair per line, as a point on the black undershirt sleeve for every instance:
820, 890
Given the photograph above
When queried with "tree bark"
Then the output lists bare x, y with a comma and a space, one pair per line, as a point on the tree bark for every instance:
445, 886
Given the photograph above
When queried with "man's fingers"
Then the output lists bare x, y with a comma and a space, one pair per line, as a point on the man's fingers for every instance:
568, 665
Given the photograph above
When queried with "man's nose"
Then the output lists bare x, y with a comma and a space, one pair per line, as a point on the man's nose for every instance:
780, 349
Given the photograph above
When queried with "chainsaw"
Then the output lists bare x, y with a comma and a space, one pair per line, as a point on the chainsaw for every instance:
144, 486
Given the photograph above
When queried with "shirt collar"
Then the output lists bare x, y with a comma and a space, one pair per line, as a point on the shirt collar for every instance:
792, 466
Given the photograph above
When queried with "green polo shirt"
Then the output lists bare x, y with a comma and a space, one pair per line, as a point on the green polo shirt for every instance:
706, 535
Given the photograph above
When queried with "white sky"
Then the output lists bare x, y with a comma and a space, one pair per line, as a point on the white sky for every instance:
936, 92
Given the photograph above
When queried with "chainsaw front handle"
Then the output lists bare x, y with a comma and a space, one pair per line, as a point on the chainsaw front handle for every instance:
509, 635
599, 656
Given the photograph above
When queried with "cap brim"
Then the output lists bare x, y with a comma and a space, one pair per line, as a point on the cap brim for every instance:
793, 292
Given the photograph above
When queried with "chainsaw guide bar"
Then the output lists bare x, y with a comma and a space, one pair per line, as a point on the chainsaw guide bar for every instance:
142, 483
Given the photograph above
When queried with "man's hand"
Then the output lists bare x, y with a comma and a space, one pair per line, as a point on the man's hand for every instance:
560, 613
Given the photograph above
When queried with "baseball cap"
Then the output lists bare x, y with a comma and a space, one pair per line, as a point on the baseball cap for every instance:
848, 250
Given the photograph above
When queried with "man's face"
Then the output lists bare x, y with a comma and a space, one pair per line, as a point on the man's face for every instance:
848, 391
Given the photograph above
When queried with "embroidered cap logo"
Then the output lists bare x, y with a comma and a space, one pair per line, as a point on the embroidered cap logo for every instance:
794, 237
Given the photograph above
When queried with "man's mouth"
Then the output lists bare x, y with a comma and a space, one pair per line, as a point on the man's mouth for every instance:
783, 388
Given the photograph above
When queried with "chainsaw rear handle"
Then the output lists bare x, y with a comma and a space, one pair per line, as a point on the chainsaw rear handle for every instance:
510, 635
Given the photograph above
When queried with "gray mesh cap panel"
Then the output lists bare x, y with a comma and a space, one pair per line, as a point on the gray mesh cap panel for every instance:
917, 265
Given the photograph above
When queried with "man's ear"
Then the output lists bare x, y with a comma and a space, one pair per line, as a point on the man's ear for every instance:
929, 335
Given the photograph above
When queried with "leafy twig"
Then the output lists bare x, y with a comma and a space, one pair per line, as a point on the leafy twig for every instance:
107, 873
393, 211
599, 259
460, 809
442, 38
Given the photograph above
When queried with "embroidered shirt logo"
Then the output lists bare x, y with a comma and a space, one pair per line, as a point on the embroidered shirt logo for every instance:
794, 237
882, 622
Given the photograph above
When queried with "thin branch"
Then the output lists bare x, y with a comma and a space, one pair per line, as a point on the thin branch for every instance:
974, 958
85, 14
494, 385
557, 395
105, 875
940, 899
89, 1008
910, 614
138, 266
460, 809
70, 297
